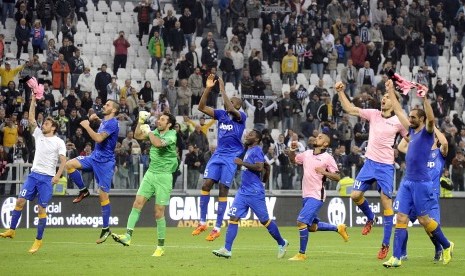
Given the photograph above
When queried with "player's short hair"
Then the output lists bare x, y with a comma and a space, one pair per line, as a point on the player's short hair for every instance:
115, 105
171, 119
420, 113
258, 134
54, 124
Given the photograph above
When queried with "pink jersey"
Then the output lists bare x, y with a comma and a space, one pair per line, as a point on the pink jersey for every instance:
312, 182
381, 136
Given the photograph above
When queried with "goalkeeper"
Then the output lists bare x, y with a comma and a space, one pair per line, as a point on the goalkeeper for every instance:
157, 180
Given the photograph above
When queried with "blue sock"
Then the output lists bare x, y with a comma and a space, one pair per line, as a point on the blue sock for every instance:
222, 202
388, 223
324, 226
41, 228
400, 235
303, 240
77, 179
274, 232
365, 207
437, 245
204, 199
106, 211
440, 238
404, 245
231, 234
15, 215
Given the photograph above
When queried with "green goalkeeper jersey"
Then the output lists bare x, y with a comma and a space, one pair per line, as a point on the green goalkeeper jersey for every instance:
164, 159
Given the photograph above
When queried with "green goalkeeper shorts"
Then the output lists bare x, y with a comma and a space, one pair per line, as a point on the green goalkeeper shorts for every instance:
158, 185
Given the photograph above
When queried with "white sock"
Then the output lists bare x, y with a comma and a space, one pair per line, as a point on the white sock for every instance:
217, 229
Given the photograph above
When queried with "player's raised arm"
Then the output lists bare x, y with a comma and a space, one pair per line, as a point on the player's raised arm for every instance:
228, 105
203, 100
443, 140
429, 115
98, 137
346, 104
403, 146
32, 114
396, 104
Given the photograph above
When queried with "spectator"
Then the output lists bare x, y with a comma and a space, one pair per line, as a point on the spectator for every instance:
289, 67
60, 71
171, 95
238, 62
259, 118
184, 98
286, 107
198, 138
210, 56
52, 53
167, 70
349, 75
358, 53
392, 54
366, 78
177, 41
451, 91
195, 83
206, 40
22, 34
44, 75
62, 11
102, 79
81, 9
68, 29
23, 13
227, 67
188, 25
318, 59
432, 53
156, 51
144, 10
38, 36
121, 52
194, 161
85, 82
192, 57
457, 176
76, 67
68, 49
361, 130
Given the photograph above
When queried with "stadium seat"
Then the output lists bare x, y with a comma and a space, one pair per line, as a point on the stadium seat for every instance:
136, 75
110, 28
57, 95
275, 134
100, 17
116, 7
81, 25
230, 89
314, 79
97, 61
167, 7
103, 7
285, 88
127, 18
96, 27
256, 33
122, 74
150, 75
129, 6
113, 17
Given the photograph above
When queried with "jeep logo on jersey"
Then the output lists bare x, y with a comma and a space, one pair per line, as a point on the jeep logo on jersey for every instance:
7, 208
336, 211
226, 127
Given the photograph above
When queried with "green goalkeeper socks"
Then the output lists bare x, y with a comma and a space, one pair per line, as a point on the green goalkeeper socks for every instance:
161, 228
132, 220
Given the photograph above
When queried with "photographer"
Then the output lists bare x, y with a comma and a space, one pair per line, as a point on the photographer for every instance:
121, 52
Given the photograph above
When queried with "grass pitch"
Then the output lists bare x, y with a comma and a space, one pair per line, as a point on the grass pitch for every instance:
74, 252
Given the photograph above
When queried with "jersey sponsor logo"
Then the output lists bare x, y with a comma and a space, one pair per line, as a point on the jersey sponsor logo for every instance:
336, 211
7, 211
226, 127
430, 164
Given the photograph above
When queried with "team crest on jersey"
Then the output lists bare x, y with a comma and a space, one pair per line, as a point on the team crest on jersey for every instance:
433, 155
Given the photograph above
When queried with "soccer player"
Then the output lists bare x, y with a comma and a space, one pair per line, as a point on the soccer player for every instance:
436, 161
379, 163
221, 168
318, 165
158, 178
49, 148
251, 195
415, 192
101, 161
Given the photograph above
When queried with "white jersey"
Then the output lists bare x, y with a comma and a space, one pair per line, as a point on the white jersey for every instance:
48, 151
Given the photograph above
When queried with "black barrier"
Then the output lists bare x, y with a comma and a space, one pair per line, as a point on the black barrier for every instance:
184, 211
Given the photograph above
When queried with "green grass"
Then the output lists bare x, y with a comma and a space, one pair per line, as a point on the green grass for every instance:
74, 252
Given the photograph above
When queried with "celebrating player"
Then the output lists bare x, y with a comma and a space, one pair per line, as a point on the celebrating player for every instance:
101, 161
379, 164
415, 192
158, 178
251, 195
221, 168
49, 148
318, 165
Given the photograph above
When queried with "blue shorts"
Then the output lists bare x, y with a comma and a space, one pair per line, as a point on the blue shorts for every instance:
39, 185
434, 213
242, 203
310, 209
221, 169
371, 171
415, 196
103, 171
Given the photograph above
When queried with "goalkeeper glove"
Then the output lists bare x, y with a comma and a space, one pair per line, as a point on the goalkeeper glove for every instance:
143, 116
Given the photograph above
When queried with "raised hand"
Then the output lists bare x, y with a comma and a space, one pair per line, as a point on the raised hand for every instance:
339, 86
211, 81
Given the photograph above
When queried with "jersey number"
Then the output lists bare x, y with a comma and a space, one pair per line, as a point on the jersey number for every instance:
23, 192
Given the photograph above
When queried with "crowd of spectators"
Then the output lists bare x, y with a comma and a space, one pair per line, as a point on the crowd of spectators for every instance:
356, 42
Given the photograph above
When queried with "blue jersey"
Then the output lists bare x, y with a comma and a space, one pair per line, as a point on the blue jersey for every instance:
105, 151
416, 159
229, 133
251, 181
436, 163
